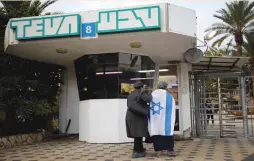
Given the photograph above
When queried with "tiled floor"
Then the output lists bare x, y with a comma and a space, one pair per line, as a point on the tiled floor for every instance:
196, 150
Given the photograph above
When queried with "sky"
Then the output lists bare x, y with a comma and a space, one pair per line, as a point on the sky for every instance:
205, 9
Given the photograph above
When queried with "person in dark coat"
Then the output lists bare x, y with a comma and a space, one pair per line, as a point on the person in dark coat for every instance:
137, 118
209, 111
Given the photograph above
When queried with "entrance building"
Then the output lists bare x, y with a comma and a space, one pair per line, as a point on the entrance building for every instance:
221, 98
105, 52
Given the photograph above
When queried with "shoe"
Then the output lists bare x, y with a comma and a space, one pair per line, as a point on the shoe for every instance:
171, 154
144, 150
138, 155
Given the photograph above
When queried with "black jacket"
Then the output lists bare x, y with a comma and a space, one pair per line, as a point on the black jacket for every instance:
137, 125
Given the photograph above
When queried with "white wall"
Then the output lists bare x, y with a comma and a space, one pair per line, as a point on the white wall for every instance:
184, 99
182, 20
103, 121
69, 102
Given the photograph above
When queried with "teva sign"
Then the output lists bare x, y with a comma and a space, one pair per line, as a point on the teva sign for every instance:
112, 21
43, 27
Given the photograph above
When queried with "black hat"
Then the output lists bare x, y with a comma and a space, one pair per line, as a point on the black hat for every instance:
138, 85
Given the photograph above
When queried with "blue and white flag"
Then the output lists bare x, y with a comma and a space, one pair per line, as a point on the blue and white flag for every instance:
162, 113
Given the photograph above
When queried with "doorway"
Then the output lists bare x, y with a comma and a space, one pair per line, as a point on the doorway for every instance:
217, 105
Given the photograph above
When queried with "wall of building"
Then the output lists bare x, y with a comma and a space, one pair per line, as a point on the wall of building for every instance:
103, 121
184, 101
165, 17
69, 102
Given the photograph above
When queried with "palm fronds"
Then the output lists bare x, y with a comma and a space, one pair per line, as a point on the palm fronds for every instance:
237, 20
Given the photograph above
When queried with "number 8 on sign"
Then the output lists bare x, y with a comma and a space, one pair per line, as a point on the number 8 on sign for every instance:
88, 30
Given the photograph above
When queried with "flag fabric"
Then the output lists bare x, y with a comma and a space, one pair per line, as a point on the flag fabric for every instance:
162, 113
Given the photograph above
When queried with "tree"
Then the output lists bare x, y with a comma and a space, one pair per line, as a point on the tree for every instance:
16, 9
218, 52
237, 22
249, 44
28, 89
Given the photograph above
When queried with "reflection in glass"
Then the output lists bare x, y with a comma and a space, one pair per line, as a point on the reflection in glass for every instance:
102, 76
168, 73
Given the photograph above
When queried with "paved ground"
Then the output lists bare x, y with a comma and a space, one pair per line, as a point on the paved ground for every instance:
65, 150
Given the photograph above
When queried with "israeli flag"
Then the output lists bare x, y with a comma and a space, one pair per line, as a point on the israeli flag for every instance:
162, 113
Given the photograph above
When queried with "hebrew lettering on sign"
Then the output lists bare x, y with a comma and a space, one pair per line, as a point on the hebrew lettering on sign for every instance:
133, 19
129, 19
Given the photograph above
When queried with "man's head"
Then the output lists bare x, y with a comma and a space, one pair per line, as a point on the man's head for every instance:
138, 85
162, 85
208, 101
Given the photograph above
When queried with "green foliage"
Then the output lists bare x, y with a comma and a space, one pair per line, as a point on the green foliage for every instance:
236, 23
218, 52
25, 9
249, 44
28, 89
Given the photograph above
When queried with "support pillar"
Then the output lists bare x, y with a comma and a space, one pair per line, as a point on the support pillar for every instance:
156, 76
244, 108
184, 95
69, 102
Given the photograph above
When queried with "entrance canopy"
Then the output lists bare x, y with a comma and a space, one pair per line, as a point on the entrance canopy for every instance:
219, 63
162, 31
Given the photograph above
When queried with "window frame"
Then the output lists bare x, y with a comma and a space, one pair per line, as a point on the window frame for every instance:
177, 107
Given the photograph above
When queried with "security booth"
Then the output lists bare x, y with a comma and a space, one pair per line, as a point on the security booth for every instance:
105, 52
223, 81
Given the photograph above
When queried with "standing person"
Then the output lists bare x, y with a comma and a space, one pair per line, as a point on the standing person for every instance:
137, 118
162, 120
209, 111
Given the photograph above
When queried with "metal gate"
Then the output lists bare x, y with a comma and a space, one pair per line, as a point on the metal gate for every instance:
250, 103
217, 106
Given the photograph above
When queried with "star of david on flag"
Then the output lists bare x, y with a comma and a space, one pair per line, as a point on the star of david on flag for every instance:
156, 110
162, 113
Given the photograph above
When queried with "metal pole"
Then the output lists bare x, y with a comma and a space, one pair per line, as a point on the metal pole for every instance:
204, 106
197, 107
244, 108
201, 108
156, 76
192, 101
219, 104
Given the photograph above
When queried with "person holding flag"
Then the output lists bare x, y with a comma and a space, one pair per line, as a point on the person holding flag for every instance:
162, 120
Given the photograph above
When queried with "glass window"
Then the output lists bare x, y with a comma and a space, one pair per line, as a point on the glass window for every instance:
112, 75
168, 73
135, 68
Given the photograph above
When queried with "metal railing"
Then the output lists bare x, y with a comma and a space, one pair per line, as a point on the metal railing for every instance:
230, 113
249, 83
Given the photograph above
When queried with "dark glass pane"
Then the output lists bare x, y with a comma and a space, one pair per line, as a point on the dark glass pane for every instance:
95, 78
168, 73
102, 76
134, 68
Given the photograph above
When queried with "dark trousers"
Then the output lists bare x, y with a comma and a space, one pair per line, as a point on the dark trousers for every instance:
138, 144
163, 143
208, 116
